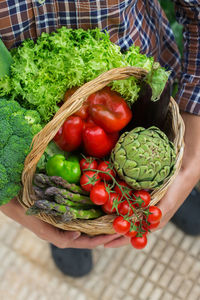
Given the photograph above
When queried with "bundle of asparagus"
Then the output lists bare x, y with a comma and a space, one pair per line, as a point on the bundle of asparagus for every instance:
57, 197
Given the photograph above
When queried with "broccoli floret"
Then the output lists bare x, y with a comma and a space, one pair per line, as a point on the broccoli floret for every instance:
19, 125
12, 105
6, 132
35, 128
3, 176
5, 114
32, 117
19, 147
9, 191
15, 140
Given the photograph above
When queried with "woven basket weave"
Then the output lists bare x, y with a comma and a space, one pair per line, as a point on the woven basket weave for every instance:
102, 225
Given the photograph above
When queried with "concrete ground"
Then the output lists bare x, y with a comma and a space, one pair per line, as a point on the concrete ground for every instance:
167, 269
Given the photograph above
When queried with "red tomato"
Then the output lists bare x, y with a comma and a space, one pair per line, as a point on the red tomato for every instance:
98, 194
88, 180
97, 142
131, 234
153, 225
120, 225
139, 242
124, 208
109, 110
69, 138
125, 187
144, 200
107, 207
105, 166
88, 163
155, 214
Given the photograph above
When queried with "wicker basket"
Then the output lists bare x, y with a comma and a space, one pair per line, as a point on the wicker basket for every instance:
102, 225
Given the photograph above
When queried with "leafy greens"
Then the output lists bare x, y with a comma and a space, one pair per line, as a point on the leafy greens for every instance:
43, 70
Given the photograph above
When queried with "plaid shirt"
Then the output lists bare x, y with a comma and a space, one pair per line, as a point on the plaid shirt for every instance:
141, 22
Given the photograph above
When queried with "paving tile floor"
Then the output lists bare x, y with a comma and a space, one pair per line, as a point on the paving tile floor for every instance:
167, 269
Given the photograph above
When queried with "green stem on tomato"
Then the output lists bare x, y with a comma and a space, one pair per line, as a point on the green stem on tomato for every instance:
123, 195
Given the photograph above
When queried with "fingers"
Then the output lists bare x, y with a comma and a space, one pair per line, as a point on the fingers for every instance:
71, 239
85, 241
119, 242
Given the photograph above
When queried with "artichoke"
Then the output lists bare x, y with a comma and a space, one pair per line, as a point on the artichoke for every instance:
144, 158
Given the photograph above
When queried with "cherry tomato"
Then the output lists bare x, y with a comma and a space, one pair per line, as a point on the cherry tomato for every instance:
155, 214
105, 167
88, 180
153, 225
120, 225
98, 194
88, 163
124, 208
139, 242
97, 142
125, 187
144, 200
107, 207
131, 234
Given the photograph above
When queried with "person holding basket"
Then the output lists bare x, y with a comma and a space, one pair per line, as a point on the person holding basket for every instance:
139, 22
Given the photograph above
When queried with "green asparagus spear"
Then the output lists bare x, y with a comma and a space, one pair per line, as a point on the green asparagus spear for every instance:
60, 218
33, 210
42, 181
52, 206
39, 192
53, 194
63, 194
71, 212
60, 200
59, 181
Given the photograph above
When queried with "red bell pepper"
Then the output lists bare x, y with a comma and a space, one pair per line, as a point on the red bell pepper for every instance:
109, 110
69, 136
97, 142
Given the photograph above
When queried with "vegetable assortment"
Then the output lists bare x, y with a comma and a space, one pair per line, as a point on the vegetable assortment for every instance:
96, 125
94, 165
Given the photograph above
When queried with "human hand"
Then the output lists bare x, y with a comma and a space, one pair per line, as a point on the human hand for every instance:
47, 232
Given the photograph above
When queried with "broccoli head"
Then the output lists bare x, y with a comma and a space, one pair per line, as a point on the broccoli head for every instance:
15, 140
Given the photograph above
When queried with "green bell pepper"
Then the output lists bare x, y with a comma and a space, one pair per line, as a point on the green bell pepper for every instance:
68, 169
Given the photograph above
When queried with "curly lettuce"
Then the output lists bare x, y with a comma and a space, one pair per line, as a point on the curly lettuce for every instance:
42, 71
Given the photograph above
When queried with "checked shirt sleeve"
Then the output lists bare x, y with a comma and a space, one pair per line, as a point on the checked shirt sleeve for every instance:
188, 14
